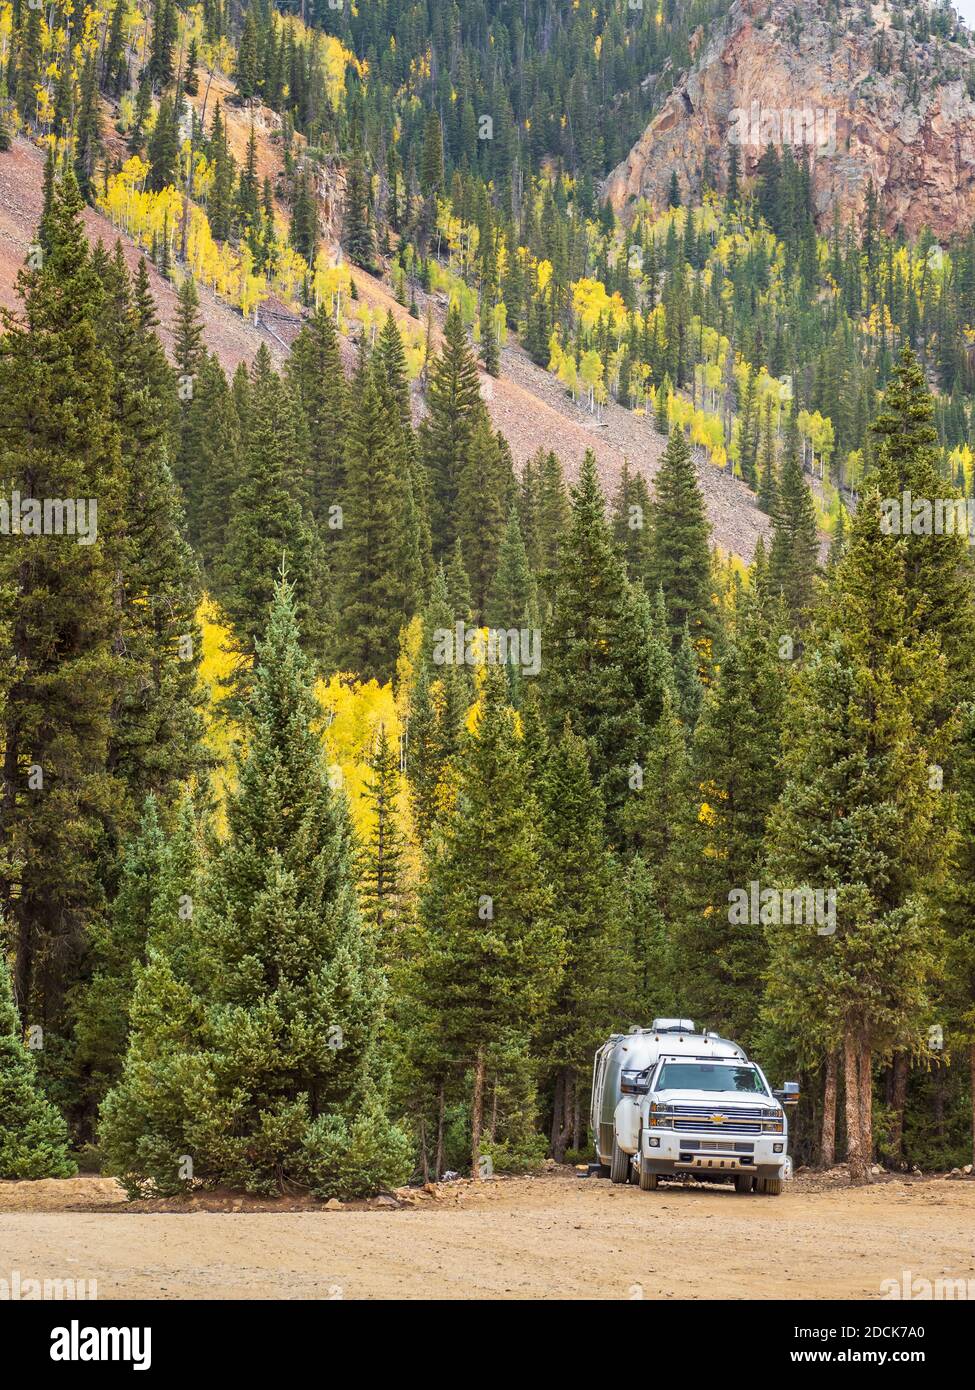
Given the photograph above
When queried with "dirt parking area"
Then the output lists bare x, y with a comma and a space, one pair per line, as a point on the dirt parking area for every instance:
551, 1237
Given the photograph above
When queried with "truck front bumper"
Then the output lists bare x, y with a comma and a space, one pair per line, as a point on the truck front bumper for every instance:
705, 1154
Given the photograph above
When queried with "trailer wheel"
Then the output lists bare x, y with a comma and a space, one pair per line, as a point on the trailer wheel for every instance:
619, 1168
771, 1187
648, 1180
744, 1182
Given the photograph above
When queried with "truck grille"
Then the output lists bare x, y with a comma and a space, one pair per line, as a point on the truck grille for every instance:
736, 1119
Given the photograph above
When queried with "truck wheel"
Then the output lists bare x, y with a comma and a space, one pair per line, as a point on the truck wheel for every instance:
744, 1182
648, 1180
619, 1168
772, 1187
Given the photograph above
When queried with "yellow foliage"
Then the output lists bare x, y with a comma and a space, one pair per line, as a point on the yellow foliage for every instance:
353, 712
217, 664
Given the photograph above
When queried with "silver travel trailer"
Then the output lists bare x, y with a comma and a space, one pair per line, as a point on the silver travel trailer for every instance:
633, 1052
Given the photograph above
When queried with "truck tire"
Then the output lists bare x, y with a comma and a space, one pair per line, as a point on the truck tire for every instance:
744, 1182
619, 1168
648, 1181
771, 1187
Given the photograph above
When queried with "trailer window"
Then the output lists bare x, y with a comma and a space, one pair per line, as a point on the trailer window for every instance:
705, 1076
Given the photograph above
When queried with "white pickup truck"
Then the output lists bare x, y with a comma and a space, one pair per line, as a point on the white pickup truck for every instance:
686, 1102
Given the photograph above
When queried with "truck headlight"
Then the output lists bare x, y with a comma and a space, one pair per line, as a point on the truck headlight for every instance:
772, 1126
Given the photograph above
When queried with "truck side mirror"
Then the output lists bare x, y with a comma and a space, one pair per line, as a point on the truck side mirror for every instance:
789, 1094
634, 1083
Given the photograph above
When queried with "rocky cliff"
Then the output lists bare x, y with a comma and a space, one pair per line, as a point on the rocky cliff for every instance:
868, 101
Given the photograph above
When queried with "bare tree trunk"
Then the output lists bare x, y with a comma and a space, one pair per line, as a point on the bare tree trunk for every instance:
438, 1156
971, 1064
477, 1114
558, 1112
898, 1099
423, 1150
827, 1146
939, 1103
854, 1141
570, 1085
866, 1100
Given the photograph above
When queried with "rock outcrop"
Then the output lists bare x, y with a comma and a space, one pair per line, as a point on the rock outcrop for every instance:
867, 102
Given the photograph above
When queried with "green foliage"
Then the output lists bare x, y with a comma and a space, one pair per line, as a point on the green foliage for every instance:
257, 1053
33, 1137
602, 661
490, 949
681, 561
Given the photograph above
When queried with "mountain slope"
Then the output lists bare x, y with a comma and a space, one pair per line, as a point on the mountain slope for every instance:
887, 105
526, 403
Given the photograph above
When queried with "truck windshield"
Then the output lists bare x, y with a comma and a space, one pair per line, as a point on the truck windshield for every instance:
707, 1076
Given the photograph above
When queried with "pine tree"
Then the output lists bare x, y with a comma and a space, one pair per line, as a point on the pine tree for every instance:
586, 904
687, 681
188, 353
220, 201
552, 520
393, 383
246, 72
264, 1070
157, 731
210, 446
269, 522
29, 58
88, 141
161, 66
513, 600
859, 815
794, 557
357, 234
601, 661
938, 571
644, 933
632, 528
160, 880
383, 885
314, 370
303, 232
163, 151
58, 440
737, 780
681, 559
491, 948
33, 1136
191, 78
378, 588
661, 418
959, 910
454, 408
143, 105
768, 487
484, 490
431, 165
